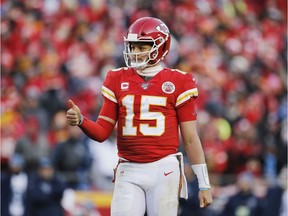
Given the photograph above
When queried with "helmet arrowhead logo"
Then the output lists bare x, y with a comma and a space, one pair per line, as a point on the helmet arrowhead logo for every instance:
163, 28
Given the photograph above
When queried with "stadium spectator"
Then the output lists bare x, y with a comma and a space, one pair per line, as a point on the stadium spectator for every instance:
244, 202
72, 160
45, 191
33, 145
14, 184
275, 202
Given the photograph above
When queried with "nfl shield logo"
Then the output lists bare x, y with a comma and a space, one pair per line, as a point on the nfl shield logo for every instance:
145, 85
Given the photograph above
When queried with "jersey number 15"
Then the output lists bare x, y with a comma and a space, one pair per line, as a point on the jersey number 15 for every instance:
145, 114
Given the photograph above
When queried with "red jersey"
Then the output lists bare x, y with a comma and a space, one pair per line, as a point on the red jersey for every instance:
147, 111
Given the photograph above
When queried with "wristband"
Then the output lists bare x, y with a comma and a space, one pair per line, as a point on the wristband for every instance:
201, 172
81, 120
202, 189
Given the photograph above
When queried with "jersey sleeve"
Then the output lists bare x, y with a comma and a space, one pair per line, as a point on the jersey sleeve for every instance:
185, 102
187, 112
109, 87
187, 89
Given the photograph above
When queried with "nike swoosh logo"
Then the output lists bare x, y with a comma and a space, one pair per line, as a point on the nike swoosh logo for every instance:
168, 173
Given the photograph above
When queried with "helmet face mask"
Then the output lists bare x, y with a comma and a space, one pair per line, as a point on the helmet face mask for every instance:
150, 31
137, 60
140, 60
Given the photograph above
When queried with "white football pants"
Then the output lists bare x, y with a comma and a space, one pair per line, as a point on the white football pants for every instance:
147, 186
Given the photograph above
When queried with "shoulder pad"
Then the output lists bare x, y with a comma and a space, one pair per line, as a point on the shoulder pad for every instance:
179, 71
121, 68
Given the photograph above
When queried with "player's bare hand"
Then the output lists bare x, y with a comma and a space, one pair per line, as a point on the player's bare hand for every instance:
205, 198
73, 114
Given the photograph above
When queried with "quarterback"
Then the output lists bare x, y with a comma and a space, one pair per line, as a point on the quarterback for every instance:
149, 103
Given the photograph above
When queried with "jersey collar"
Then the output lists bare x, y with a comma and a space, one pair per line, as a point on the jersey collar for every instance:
150, 71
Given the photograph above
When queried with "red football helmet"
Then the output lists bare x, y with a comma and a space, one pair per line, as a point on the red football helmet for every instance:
147, 30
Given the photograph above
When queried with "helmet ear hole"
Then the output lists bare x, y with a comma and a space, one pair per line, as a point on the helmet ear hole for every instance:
153, 55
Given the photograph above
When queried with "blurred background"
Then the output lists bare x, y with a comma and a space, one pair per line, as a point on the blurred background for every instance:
55, 50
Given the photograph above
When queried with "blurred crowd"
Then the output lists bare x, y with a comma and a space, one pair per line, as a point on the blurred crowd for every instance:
55, 50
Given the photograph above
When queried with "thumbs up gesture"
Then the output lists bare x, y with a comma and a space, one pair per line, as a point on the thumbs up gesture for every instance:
73, 114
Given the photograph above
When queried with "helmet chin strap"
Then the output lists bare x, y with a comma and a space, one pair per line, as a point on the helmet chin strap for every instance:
150, 71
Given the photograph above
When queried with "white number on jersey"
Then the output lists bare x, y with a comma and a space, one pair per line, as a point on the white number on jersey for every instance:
145, 114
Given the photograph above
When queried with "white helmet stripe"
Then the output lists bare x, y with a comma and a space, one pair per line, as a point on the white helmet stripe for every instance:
132, 37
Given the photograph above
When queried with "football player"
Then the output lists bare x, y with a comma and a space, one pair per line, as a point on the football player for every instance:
149, 104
